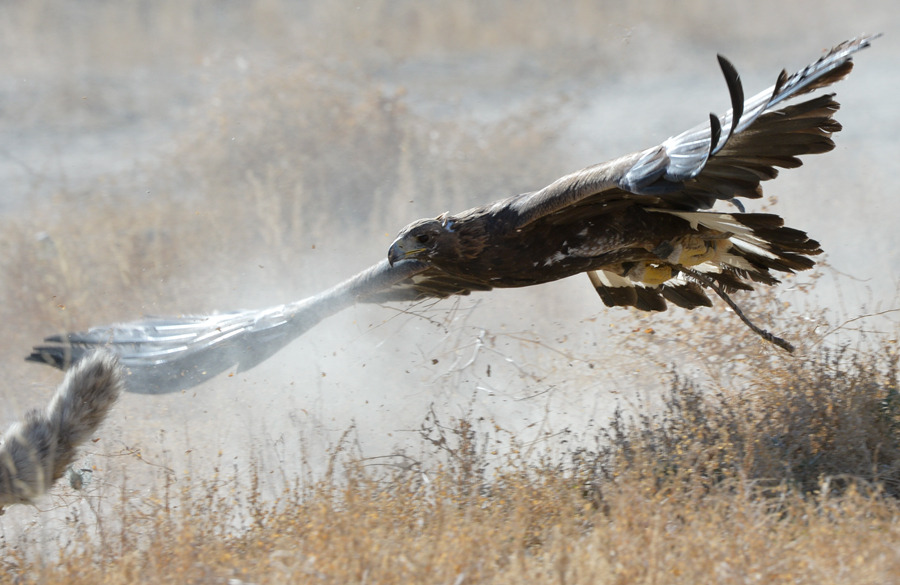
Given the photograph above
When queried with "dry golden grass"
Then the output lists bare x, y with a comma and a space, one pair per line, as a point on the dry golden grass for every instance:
794, 483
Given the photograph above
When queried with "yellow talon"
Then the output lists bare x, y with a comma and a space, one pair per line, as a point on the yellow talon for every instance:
697, 251
656, 274
695, 256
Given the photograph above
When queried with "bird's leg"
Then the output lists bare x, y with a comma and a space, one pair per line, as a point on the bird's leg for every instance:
688, 251
699, 250
693, 250
651, 273
706, 281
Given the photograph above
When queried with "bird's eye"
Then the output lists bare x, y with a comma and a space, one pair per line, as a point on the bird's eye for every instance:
423, 238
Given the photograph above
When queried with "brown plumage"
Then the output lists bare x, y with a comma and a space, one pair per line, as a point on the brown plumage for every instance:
637, 234
641, 227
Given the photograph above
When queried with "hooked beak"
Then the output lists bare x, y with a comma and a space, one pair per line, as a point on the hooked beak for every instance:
399, 250
395, 253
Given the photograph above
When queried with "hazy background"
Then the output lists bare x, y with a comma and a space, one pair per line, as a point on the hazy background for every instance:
172, 157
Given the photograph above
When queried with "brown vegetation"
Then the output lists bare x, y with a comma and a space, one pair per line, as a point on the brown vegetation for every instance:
795, 481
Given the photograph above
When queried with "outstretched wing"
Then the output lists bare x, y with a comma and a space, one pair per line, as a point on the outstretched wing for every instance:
169, 354
430, 283
724, 159
707, 163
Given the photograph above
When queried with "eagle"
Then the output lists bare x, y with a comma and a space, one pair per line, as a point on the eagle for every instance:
641, 226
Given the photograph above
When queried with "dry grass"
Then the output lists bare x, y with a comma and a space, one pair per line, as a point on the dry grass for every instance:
795, 482
752, 467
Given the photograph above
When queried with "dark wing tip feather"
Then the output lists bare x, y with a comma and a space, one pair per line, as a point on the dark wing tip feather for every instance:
715, 131
59, 357
686, 156
735, 91
779, 83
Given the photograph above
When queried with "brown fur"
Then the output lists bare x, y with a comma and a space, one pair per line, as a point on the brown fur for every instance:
36, 451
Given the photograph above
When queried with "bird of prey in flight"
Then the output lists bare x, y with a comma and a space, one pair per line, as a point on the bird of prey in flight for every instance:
640, 226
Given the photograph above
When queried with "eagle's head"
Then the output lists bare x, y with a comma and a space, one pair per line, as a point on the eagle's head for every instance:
425, 239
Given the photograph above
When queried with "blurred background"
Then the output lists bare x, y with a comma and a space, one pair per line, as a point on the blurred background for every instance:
168, 157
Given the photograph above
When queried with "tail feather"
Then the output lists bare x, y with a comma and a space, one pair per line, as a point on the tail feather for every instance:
687, 295
649, 299
741, 249
614, 290
731, 279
